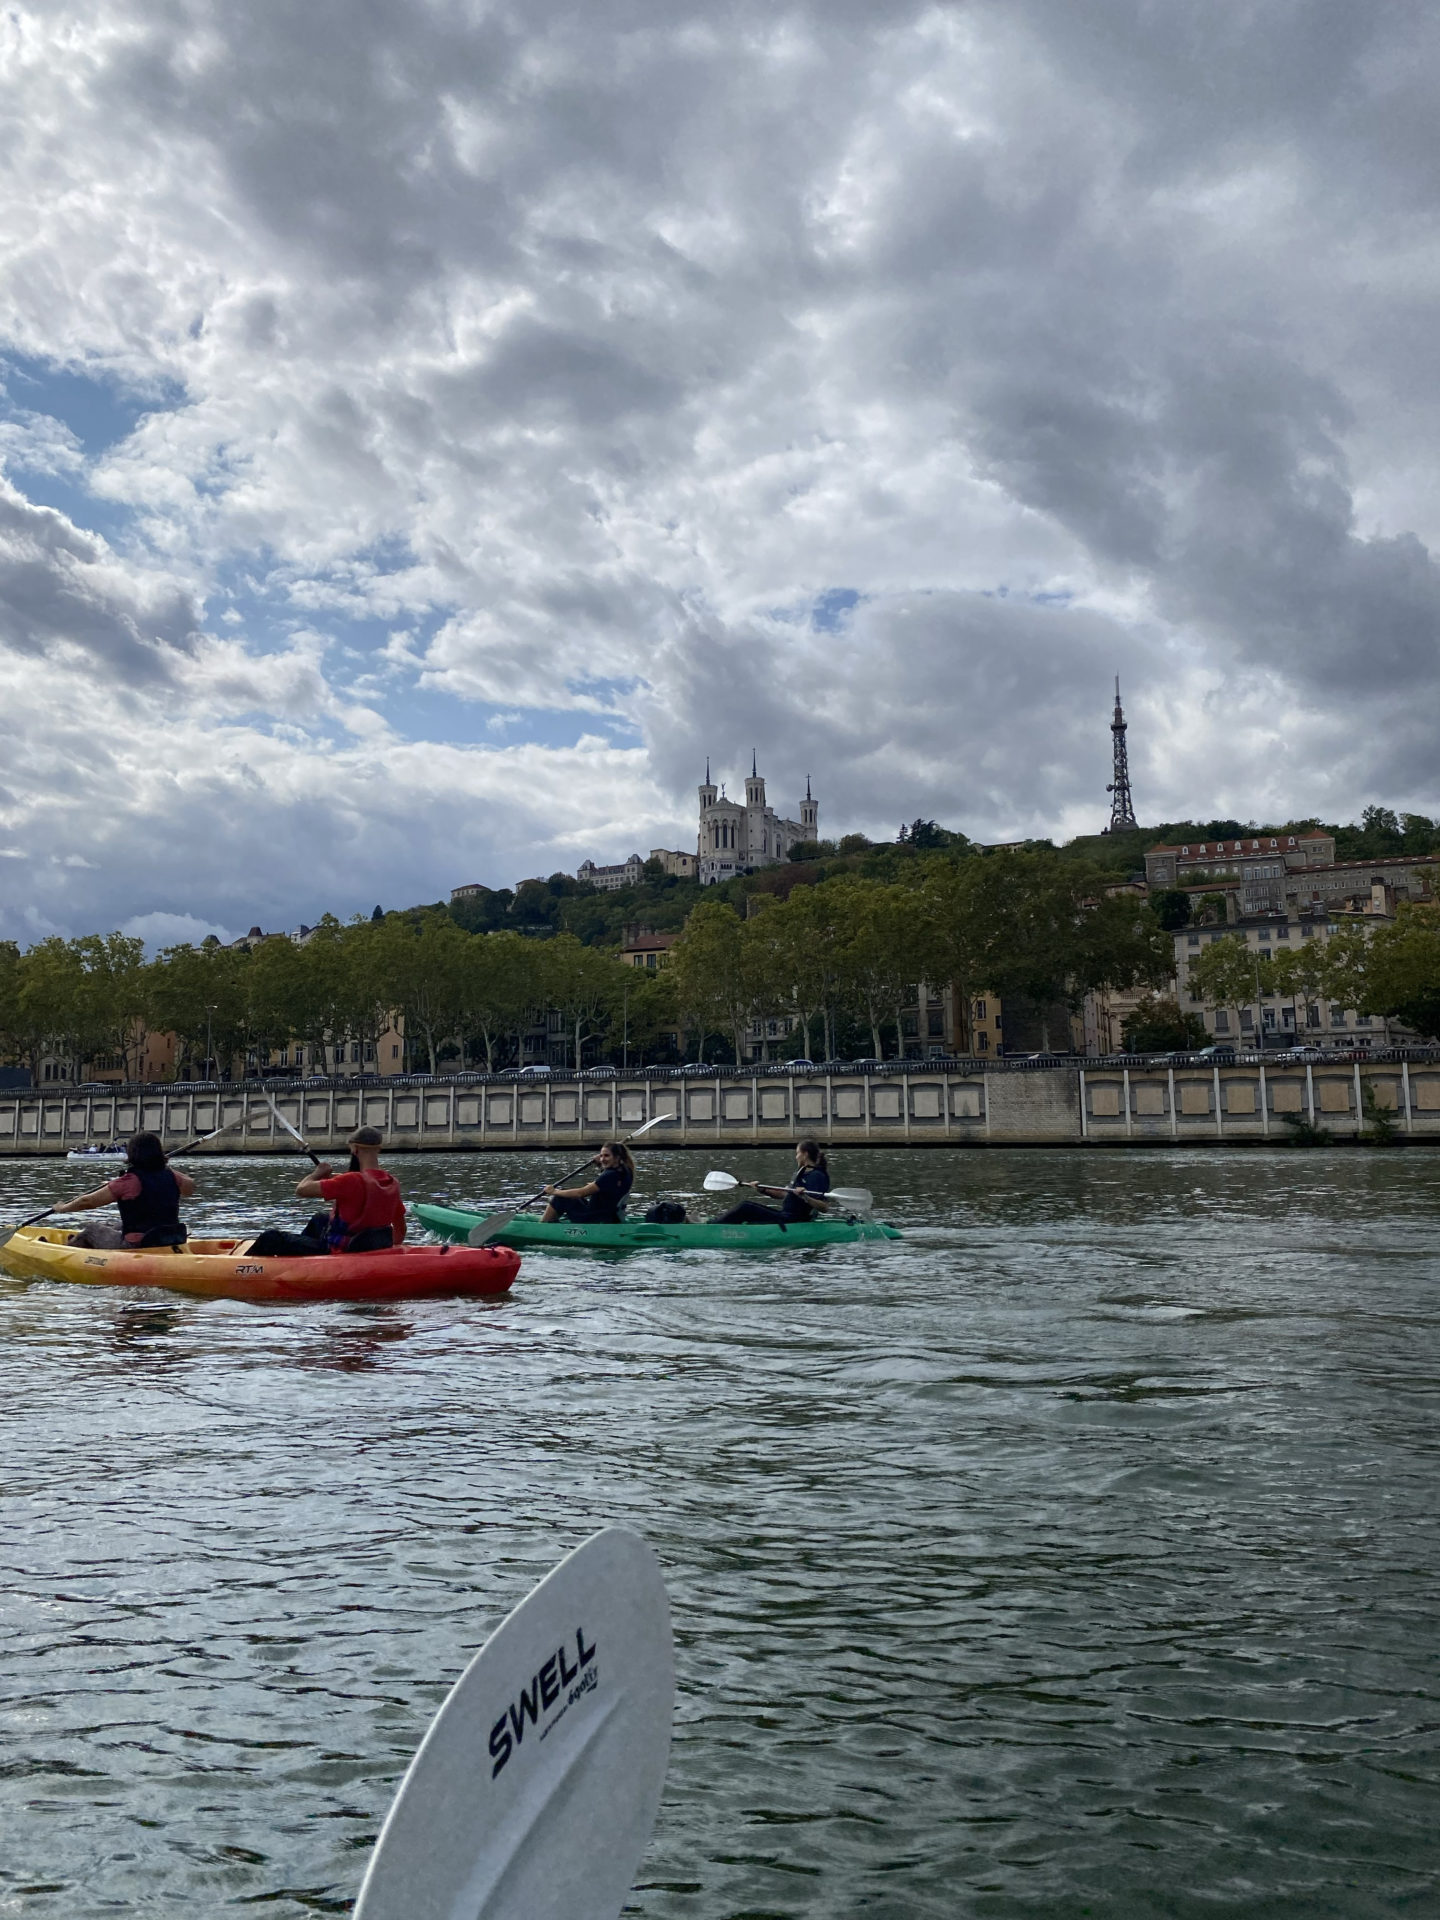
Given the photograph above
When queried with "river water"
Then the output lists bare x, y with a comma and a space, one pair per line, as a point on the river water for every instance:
1075, 1555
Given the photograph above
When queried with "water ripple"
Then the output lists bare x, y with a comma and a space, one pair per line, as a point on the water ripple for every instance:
1077, 1554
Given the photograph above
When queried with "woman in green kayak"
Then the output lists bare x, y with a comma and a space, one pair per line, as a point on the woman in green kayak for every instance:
812, 1176
601, 1202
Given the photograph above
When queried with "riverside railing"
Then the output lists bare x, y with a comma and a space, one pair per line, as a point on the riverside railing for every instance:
1118, 1100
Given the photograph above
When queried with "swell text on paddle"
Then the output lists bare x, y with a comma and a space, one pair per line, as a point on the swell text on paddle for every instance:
541, 1694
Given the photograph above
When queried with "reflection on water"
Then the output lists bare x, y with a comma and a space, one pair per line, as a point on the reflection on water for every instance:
1076, 1553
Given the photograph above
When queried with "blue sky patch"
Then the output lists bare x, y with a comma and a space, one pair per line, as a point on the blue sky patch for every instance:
97, 408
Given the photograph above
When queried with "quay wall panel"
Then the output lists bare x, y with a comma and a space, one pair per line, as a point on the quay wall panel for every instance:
1099, 1103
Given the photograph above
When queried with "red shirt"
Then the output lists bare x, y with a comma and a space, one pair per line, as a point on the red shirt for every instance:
370, 1199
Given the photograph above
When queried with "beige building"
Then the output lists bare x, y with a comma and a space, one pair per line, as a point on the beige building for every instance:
682, 865
1275, 1019
737, 839
642, 948
1294, 873
627, 873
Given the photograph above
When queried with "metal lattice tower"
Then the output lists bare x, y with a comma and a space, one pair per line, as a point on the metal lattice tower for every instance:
1122, 811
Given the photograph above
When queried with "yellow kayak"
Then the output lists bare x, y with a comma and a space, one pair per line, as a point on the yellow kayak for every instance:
221, 1269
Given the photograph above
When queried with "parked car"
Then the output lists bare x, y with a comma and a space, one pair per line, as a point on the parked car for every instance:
600, 1073
1222, 1052
697, 1066
531, 1073
868, 1062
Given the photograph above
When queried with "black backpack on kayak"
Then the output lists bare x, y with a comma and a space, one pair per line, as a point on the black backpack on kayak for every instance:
666, 1213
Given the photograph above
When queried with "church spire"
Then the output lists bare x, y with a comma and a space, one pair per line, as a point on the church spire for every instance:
754, 764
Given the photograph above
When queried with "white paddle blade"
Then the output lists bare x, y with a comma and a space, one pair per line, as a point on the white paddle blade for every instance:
720, 1182
853, 1199
533, 1795
480, 1236
660, 1120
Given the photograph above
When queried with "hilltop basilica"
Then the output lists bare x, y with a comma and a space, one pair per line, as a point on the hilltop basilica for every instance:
735, 838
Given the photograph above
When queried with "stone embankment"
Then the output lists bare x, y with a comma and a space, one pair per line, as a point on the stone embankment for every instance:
1091, 1103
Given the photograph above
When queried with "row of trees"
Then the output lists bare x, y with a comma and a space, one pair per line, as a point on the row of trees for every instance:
843, 953
1026, 926
92, 1003
842, 956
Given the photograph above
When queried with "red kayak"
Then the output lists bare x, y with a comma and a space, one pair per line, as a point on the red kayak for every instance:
222, 1270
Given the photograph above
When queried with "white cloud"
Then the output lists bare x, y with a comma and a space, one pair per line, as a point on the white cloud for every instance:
520, 371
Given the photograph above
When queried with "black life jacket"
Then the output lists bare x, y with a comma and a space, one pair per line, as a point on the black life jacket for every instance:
155, 1210
608, 1206
808, 1180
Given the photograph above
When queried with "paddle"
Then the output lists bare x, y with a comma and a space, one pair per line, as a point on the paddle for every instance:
294, 1132
534, 1792
850, 1199
487, 1230
9, 1233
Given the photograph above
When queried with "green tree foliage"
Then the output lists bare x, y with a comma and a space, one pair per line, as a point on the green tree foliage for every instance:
1396, 971
1228, 973
502, 993
200, 994
711, 979
1171, 907
583, 985
1161, 1026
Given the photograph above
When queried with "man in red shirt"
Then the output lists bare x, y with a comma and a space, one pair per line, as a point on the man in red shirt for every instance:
366, 1211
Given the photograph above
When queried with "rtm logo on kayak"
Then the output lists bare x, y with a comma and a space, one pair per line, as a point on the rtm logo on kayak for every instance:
545, 1688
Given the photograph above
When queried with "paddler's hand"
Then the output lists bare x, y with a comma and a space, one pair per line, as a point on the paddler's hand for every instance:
324, 1171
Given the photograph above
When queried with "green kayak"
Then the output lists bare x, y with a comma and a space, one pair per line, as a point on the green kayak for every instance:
528, 1230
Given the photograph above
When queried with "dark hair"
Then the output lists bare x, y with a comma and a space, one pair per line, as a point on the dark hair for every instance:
366, 1137
621, 1153
145, 1153
812, 1152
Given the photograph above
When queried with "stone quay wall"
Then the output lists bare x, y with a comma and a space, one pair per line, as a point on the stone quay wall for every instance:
1089, 1103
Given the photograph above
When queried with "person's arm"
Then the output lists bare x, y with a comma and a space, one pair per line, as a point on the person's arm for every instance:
573, 1193
184, 1182
83, 1202
309, 1187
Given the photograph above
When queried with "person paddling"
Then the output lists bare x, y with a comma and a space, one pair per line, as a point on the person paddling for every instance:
602, 1201
148, 1194
366, 1211
812, 1175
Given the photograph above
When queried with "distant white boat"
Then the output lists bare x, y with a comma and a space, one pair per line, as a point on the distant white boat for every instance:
96, 1153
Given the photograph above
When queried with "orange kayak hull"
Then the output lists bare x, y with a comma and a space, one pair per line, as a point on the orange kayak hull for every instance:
216, 1269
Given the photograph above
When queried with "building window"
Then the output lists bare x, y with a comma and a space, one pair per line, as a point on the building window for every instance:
1267, 1017
1312, 1016
1247, 1020
395, 1052
910, 1025
1337, 1016
1193, 939
1362, 1020
982, 1043
979, 1009
1222, 1021
936, 1023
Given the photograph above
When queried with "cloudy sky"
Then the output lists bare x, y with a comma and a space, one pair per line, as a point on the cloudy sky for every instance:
431, 428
